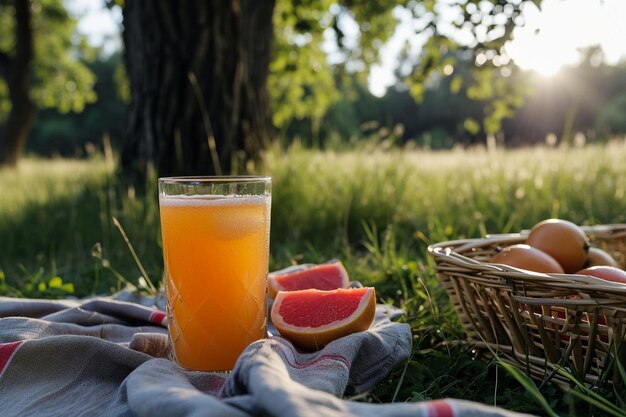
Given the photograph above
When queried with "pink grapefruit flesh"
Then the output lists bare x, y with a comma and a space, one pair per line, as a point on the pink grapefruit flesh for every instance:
313, 318
328, 276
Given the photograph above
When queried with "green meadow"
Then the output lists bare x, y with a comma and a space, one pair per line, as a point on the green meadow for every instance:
73, 228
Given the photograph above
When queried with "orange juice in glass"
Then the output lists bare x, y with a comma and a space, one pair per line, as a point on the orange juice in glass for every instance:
215, 247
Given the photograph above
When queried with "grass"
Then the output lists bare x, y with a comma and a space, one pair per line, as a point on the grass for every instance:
376, 209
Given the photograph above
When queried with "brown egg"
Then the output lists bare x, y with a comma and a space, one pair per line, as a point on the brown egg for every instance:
528, 258
607, 273
598, 257
563, 240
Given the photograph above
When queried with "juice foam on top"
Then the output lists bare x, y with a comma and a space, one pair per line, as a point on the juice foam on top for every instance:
212, 200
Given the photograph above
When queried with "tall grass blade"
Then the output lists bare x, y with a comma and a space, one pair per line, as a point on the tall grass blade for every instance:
590, 396
618, 363
401, 380
120, 278
144, 274
207, 123
529, 385
603, 405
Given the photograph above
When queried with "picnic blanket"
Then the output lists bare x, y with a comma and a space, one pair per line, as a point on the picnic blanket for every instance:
109, 357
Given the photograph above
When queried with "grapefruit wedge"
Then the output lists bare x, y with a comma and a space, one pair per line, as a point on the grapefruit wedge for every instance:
313, 318
328, 276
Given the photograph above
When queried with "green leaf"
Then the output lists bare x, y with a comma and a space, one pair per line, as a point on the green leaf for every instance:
68, 288
471, 125
55, 282
417, 91
456, 84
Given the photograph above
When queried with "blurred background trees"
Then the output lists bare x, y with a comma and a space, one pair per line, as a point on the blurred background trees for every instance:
235, 75
42, 66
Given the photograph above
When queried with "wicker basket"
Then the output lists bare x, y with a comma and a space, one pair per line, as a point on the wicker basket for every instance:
533, 320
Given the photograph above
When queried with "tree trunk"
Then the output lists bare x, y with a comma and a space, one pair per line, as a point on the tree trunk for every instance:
16, 71
197, 72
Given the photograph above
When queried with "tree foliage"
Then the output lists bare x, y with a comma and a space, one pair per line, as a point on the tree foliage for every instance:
75, 134
319, 53
304, 84
61, 78
301, 83
41, 66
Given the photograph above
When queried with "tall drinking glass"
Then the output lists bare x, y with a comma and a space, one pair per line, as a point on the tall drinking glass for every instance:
215, 247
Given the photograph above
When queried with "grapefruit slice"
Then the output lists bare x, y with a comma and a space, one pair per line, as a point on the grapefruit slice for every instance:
328, 276
313, 318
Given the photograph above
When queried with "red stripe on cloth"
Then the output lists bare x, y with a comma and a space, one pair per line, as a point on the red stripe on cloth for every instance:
440, 408
157, 317
6, 353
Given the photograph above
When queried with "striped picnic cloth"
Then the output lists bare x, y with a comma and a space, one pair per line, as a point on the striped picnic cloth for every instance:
109, 357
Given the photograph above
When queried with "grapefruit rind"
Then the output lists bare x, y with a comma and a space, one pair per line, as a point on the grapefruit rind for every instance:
598, 257
527, 258
307, 276
563, 240
605, 273
315, 338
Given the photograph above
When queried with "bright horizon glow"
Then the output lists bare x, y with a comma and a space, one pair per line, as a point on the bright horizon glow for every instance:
100, 25
552, 37
548, 41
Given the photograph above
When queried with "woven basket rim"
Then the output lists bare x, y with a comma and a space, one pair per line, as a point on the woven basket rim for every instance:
448, 252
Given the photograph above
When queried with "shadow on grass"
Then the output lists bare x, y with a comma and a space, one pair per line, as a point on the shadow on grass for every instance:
56, 238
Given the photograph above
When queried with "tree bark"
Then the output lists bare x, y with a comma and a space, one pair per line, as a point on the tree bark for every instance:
16, 70
197, 72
